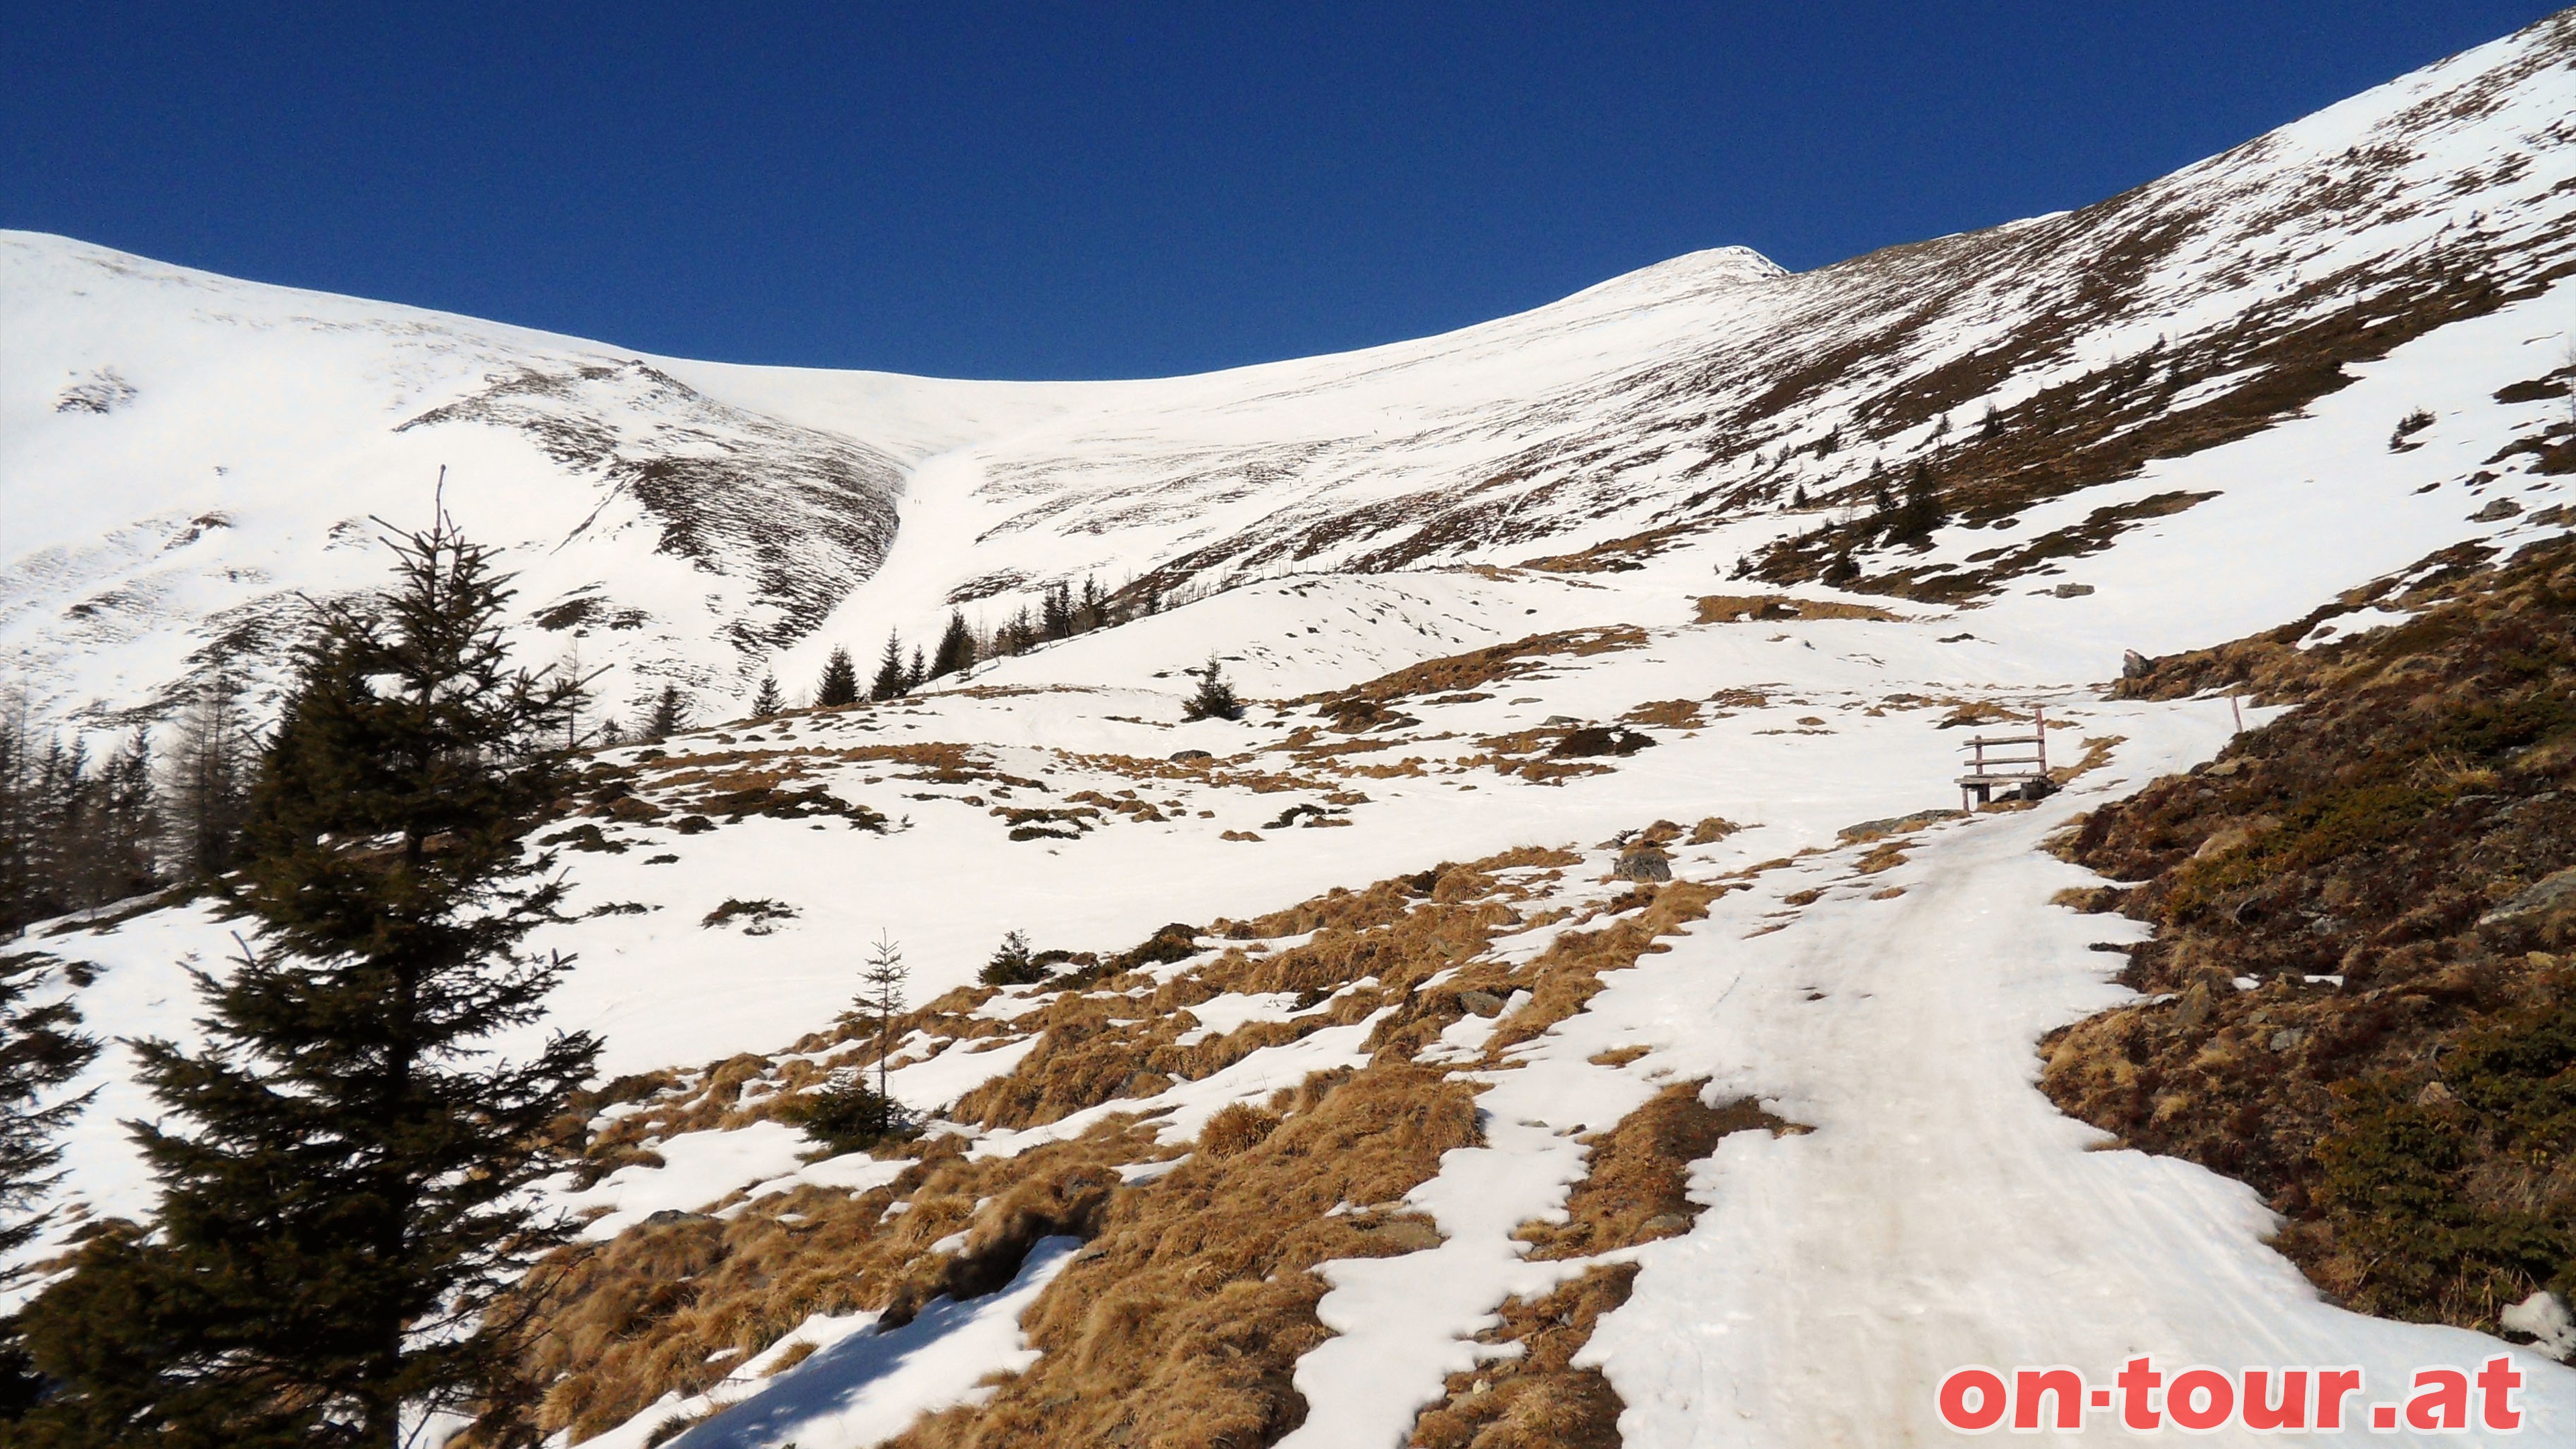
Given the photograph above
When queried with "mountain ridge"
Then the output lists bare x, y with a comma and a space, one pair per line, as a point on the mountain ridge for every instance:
1707, 391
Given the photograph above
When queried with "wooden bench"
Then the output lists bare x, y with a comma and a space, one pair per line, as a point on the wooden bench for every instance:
1988, 774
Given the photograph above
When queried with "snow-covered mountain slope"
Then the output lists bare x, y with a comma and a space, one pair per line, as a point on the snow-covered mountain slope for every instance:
1374, 516
179, 453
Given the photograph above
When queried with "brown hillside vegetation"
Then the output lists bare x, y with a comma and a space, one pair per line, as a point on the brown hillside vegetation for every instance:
1180, 1322
1476, 667
2107, 424
2362, 999
1730, 608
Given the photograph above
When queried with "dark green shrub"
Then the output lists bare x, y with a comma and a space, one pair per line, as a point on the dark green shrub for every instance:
1012, 965
850, 1117
2440, 1185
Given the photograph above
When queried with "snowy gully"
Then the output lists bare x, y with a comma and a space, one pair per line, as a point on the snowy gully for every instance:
2202, 1400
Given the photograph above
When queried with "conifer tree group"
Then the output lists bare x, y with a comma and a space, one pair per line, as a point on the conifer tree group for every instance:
1061, 614
74, 832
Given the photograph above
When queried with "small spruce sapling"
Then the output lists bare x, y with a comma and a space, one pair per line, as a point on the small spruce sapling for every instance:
1215, 698
766, 701
881, 984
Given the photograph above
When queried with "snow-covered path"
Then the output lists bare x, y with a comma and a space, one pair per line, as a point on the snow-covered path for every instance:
1943, 1213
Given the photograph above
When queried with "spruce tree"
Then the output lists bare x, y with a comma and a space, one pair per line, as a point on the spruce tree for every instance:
840, 683
123, 837
916, 673
889, 681
1018, 634
344, 1163
1922, 511
670, 714
956, 648
766, 701
1056, 608
41, 1049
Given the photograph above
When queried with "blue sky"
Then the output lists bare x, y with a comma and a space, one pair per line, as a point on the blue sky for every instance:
1060, 190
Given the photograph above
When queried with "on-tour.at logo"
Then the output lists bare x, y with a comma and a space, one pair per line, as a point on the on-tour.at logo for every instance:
2201, 1399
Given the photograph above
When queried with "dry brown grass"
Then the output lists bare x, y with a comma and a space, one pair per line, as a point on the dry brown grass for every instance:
1538, 1400
2097, 753
1615, 556
1635, 1192
639, 1316
1671, 714
1771, 608
1459, 672
1637, 1187
1711, 830
1183, 1321
1528, 754
1567, 974
1095, 1048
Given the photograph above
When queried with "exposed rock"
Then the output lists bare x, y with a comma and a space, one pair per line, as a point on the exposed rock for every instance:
2071, 591
1190, 757
2134, 665
2552, 893
1896, 824
2435, 1095
1482, 1003
2496, 511
1644, 862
